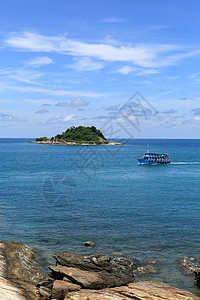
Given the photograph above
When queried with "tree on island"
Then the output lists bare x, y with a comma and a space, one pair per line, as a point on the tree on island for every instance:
80, 135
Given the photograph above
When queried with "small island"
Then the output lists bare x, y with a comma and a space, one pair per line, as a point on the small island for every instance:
81, 135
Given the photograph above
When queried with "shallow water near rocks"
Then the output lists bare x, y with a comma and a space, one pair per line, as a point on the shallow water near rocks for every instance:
57, 197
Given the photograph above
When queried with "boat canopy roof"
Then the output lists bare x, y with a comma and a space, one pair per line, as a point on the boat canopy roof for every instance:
155, 153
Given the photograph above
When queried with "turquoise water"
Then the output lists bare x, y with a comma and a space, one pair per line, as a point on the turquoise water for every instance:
57, 197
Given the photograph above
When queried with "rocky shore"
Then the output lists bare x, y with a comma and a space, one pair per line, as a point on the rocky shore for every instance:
77, 277
64, 143
19, 272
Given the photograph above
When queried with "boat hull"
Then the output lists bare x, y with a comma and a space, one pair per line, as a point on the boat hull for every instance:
142, 161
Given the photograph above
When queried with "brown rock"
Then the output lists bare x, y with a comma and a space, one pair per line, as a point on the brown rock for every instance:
45, 293
86, 279
66, 279
61, 288
188, 265
103, 262
69, 259
197, 278
114, 271
19, 272
153, 290
96, 263
97, 295
143, 290
10, 292
146, 268
89, 244
22, 268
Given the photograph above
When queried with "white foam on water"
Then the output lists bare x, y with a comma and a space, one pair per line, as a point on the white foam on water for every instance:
185, 163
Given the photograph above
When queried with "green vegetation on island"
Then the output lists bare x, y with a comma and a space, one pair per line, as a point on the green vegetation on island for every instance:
78, 135
44, 138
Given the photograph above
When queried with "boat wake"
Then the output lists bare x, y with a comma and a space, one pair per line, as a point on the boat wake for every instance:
186, 163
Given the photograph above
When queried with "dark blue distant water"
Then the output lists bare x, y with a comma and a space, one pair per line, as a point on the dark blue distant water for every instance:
57, 197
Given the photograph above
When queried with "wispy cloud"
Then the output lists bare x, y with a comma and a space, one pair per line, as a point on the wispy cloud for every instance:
170, 111
112, 20
25, 73
56, 92
196, 111
159, 27
6, 116
39, 61
86, 64
145, 55
175, 58
173, 77
112, 108
109, 40
186, 99
148, 71
46, 104
194, 75
42, 111
43, 102
22, 75
78, 102
137, 71
5, 101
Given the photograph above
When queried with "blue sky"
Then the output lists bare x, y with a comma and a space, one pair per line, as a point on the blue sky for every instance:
67, 63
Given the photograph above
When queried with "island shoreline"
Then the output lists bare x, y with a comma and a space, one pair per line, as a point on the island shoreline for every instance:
74, 143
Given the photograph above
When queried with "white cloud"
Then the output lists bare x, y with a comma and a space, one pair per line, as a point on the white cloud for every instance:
39, 61
109, 40
69, 118
59, 118
86, 64
125, 70
147, 55
128, 69
75, 103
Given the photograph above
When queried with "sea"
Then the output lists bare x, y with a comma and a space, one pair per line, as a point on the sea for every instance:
54, 198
